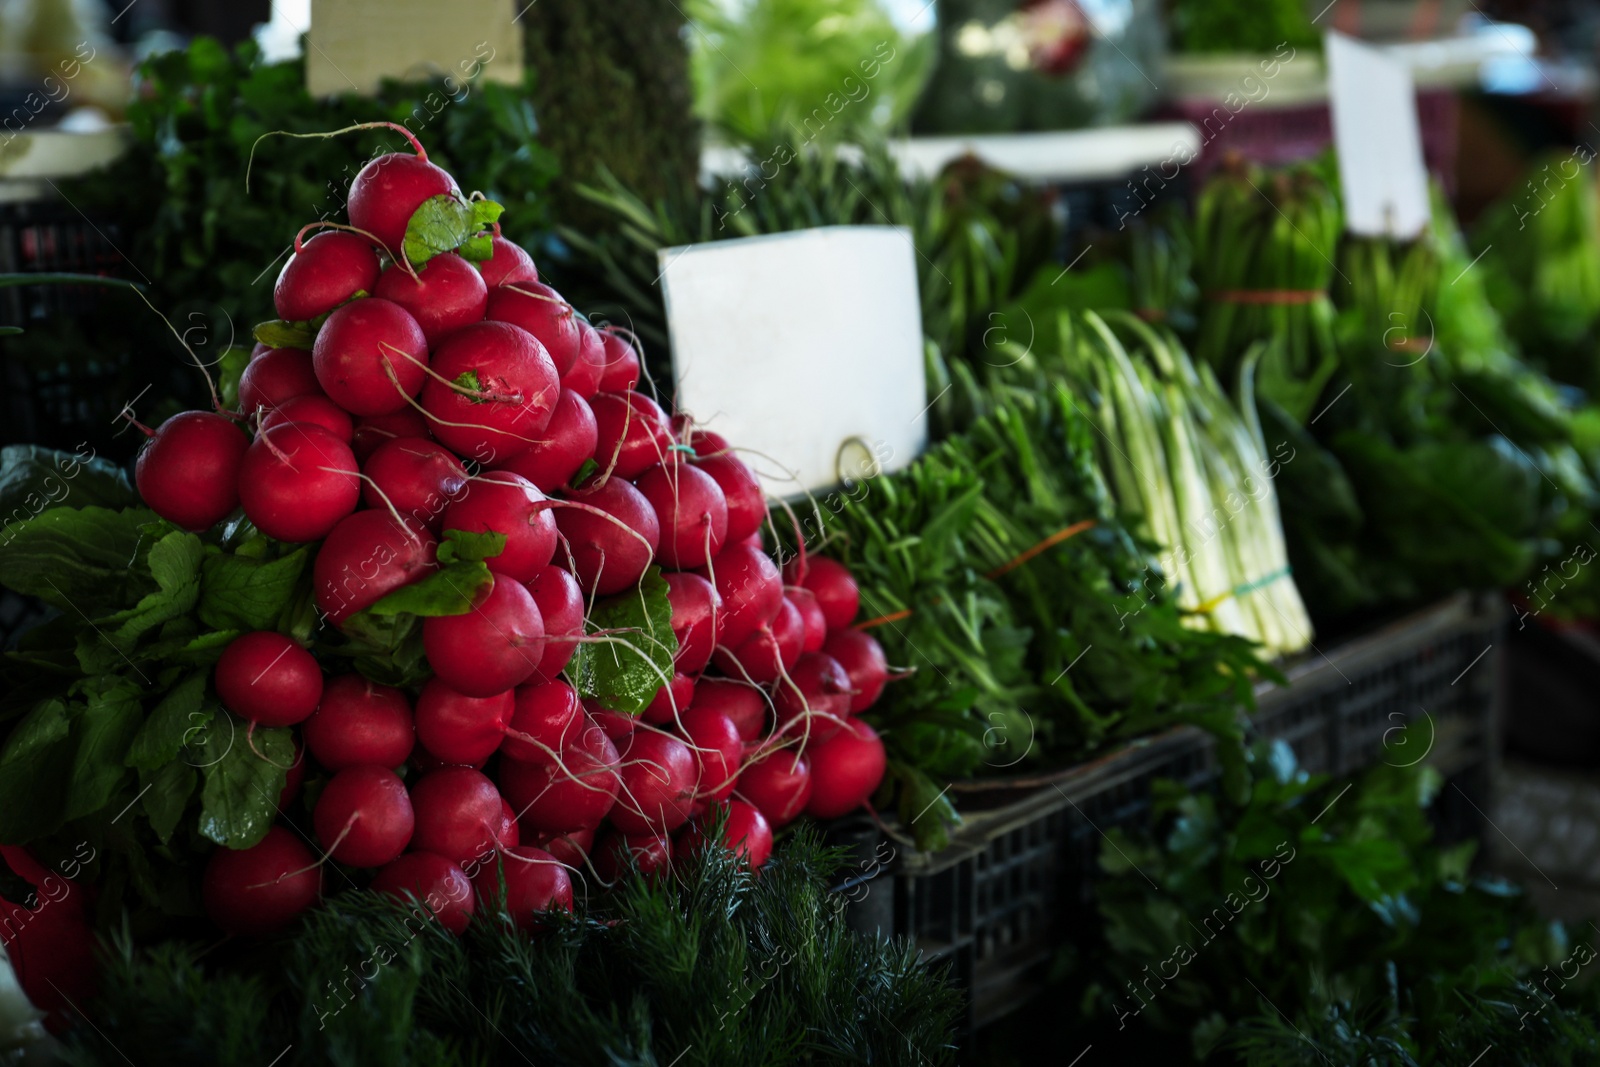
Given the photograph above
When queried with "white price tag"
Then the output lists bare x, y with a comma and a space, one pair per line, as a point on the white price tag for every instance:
355, 44
1384, 179
804, 350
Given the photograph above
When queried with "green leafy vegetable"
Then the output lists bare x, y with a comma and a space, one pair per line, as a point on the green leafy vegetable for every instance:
629, 652
244, 773
444, 223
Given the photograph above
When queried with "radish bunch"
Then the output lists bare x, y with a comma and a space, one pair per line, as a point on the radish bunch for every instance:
462, 394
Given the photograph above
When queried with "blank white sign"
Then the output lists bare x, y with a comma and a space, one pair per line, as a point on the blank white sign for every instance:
803, 349
1381, 170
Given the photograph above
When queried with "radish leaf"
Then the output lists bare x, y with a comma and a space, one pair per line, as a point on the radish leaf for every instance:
624, 671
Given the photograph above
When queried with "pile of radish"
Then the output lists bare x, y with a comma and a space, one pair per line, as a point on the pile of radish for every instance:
462, 393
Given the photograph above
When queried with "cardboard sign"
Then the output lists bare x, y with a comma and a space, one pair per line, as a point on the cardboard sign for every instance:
1384, 180
804, 350
354, 44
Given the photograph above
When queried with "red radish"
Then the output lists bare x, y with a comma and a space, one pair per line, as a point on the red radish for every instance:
445, 295
363, 816
765, 655
502, 388
616, 725
574, 793
367, 556
632, 433
458, 728
745, 704
696, 620
323, 273
508, 833
584, 376
718, 750
188, 471
814, 700
314, 408
649, 854
845, 770
543, 312
747, 505
816, 627
374, 430
658, 783
494, 647
275, 376
670, 701
360, 722
267, 678
458, 815
259, 349
779, 784
297, 481
560, 603
417, 477
610, 554
508, 264
535, 882
746, 833
751, 591
621, 371
568, 442
832, 584
704, 443
544, 720
371, 357
569, 849
293, 777
389, 190
438, 886
692, 512
260, 890
862, 659
507, 503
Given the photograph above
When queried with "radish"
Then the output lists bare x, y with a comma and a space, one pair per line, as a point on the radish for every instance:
458, 815
831, 583
390, 189
574, 793
746, 833
632, 433
507, 264
618, 727
768, 653
704, 443
862, 659
445, 295
568, 442
507, 832
188, 470
540, 310
845, 770
658, 783
544, 719
358, 722
718, 750
691, 509
747, 505
583, 377
313, 408
417, 477
741, 702
621, 372
670, 701
649, 854
560, 602
778, 784
534, 882
371, 357
814, 700
364, 817
275, 376
494, 647
610, 551
751, 591
259, 349
323, 273
267, 678
815, 626
260, 890
433, 883
491, 391
459, 728
297, 481
367, 556
374, 430
569, 849
507, 503
696, 620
